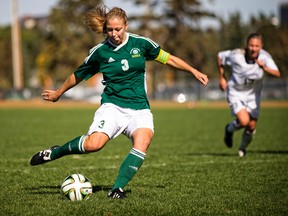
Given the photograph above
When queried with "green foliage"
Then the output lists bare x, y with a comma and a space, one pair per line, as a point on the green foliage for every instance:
57, 49
188, 170
30, 49
69, 40
6, 78
232, 33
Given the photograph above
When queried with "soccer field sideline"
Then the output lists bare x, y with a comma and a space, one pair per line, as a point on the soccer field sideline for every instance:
39, 103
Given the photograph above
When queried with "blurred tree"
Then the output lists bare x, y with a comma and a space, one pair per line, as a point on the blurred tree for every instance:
275, 39
175, 26
54, 50
31, 39
6, 74
232, 33
280, 54
67, 43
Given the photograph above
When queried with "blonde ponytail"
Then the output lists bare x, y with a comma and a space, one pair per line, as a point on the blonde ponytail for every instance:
96, 18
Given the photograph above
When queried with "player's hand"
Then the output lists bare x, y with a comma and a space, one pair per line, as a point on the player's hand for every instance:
50, 95
260, 63
223, 84
203, 78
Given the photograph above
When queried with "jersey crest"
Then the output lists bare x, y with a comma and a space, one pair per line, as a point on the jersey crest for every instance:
135, 53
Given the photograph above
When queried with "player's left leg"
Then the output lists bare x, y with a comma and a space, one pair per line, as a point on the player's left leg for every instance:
247, 136
140, 130
131, 164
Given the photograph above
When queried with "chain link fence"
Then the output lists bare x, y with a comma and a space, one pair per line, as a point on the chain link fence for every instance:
273, 89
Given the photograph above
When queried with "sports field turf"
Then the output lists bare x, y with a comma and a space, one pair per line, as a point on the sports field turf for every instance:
188, 170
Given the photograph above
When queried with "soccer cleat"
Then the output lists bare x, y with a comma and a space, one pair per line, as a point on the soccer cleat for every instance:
242, 152
117, 193
228, 138
42, 156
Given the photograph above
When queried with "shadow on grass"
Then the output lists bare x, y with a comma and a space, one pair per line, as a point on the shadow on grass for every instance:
280, 152
203, 154
98, 188
48, 189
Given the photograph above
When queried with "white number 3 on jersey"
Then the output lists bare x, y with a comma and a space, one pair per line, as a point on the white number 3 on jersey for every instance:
125, 65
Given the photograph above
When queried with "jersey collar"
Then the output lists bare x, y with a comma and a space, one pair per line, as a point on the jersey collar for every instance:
121, 45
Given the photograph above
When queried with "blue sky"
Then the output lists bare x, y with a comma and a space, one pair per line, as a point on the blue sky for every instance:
220, 7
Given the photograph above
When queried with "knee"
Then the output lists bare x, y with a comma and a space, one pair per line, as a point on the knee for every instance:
94, 143
91, 146
146, 142
142, 142
252, 126
243, 122
243, 118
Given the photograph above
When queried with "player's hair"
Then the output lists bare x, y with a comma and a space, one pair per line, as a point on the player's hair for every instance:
254, 35
96, 18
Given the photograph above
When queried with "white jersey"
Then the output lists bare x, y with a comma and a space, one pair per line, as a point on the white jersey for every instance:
245, 83
246, 77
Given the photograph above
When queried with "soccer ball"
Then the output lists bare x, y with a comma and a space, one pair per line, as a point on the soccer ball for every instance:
76, 187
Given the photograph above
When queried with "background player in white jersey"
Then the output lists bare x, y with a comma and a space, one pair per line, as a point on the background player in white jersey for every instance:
124, 105
244, 86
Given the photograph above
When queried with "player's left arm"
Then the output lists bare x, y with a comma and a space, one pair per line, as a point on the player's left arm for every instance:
180, 64
267, 69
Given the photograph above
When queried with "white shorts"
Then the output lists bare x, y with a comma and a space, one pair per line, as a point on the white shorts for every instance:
114, 120
250, 104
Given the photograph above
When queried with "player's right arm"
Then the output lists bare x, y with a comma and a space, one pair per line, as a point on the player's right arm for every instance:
222, 78
54, 95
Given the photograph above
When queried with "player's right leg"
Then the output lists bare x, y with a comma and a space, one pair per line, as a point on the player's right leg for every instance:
79, 145
42, 156
242, 120
101, 127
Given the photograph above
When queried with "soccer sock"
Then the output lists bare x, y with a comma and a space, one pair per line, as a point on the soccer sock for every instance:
75, 146
233, 126
129, 167
247, 137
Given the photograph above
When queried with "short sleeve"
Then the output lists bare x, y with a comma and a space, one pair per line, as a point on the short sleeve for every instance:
225, 57
268, 60
271, 64
86, 71
90, 66
152, 49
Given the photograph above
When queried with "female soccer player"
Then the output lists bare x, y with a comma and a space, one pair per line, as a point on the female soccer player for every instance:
244, 87
124, 105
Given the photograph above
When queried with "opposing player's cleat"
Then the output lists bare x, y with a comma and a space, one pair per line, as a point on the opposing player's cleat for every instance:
42, 156
242, 152
117, 193
228, 137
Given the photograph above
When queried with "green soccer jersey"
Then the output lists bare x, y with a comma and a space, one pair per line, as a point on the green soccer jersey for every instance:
123, 69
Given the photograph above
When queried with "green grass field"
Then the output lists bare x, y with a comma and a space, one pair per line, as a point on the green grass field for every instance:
188, 170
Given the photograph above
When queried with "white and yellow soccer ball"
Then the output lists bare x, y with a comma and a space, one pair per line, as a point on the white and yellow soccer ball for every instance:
76, 187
